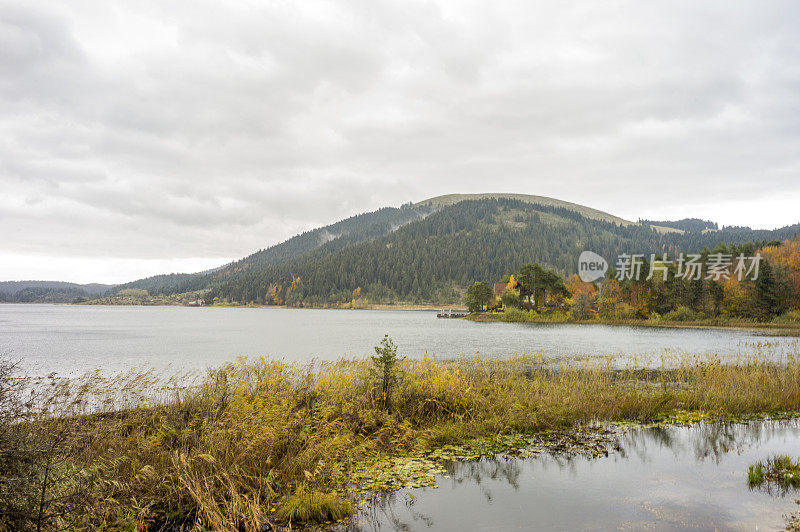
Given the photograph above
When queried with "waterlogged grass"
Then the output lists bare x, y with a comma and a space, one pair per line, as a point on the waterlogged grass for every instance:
781, 471
268, 442
756, 474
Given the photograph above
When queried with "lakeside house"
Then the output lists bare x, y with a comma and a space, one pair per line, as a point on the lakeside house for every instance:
499, 288
196, 303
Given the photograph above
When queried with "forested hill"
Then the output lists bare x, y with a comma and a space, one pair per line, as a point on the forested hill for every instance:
427, 252
435, 258
49, 291
330, 239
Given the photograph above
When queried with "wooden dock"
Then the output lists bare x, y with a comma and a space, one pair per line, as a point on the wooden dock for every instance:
450, 314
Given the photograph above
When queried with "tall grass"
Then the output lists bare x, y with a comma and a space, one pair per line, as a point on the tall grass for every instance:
264, 441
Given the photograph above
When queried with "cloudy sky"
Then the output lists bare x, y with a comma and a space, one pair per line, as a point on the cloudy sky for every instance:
146, 137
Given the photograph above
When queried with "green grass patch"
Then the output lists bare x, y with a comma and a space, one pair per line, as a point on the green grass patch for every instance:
781, 471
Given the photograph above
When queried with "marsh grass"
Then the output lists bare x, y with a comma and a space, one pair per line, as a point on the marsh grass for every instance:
309, 506
264, 441
756, 474
780, 471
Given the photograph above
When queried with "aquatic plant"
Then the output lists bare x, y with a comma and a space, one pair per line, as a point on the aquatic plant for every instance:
755, 474
780, 471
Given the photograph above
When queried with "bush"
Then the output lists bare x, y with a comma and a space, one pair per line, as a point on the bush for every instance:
518, 315
623, 311
791, 316
681, 313
133, 292
38, 488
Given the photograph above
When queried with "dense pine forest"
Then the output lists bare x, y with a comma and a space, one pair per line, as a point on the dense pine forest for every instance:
330, 239
435, 258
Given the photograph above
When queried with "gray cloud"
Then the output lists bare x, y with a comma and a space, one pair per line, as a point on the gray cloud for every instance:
208, 130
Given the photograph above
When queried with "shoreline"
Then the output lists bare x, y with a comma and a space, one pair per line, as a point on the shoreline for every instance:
375, 306
774, 329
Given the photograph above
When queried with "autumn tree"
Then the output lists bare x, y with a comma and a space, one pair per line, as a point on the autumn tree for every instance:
610, 296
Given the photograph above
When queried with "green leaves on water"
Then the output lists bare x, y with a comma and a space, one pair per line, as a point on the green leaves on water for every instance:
398, 473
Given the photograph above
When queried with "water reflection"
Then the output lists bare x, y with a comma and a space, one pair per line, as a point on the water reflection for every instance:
661, 478
505, 470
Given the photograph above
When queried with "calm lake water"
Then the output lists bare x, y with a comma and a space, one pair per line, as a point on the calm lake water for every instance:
73, 339
666, 478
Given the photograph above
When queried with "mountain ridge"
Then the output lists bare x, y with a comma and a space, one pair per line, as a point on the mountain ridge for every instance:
436, 247
432, 260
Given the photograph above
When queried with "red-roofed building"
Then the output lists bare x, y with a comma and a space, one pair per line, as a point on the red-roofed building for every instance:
499, 288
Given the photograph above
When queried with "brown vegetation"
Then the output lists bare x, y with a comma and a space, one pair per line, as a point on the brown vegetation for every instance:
263, 441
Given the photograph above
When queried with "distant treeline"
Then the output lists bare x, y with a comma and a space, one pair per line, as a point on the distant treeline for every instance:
49, 291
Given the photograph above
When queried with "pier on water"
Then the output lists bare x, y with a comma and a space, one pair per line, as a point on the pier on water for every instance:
450, 314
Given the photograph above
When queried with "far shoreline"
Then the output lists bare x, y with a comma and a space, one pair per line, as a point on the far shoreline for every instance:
403, 306
770, 329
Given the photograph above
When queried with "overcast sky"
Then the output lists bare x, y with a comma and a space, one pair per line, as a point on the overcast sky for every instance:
147, 137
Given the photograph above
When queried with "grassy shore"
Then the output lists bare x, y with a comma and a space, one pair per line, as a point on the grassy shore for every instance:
773, 328
267, 442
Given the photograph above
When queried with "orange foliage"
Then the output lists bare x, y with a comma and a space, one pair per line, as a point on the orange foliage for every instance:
577, 287
612, 291
273, 295
787, 257
787, 254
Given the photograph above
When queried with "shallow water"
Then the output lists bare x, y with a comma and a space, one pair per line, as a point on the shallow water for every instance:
74, 339
666, 478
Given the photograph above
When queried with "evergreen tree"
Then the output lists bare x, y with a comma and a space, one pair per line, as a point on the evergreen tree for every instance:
478, 296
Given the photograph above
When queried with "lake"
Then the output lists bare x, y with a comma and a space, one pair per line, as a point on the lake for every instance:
663, 478
70, 339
